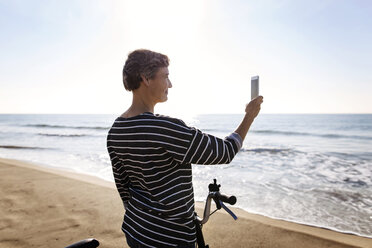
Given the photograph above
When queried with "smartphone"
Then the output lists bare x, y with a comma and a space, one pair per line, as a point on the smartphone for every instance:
254, 87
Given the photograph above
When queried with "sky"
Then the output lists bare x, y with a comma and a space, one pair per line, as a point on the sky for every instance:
67, 56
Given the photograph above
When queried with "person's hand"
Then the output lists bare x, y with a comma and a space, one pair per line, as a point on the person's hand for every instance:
254, 106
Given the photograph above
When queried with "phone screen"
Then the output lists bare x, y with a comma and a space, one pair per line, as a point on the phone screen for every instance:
254, 87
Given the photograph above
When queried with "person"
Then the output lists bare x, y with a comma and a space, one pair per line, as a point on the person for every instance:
151, 157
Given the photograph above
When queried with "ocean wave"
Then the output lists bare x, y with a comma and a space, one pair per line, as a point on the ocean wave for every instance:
335, 136
269, 150
355, 183
23, 147
62, 135
344, 196
212, 130
63, 126
344, 155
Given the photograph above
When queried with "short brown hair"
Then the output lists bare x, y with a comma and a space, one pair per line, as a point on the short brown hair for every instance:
144, 63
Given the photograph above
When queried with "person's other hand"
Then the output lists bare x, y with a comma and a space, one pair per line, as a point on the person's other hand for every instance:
254, 106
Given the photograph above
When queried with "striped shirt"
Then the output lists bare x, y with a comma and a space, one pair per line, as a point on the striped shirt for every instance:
151, 158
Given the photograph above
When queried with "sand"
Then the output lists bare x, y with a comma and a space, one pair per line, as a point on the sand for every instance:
42, 207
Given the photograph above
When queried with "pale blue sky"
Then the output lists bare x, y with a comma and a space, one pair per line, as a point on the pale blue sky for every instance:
67, 56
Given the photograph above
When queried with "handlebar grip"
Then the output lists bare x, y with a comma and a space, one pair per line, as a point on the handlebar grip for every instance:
229, 199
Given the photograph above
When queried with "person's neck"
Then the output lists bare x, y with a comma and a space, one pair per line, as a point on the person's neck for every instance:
139, 106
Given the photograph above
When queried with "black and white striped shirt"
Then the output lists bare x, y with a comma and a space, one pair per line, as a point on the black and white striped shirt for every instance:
151, 158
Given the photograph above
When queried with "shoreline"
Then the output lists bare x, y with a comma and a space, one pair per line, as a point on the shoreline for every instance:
61, 196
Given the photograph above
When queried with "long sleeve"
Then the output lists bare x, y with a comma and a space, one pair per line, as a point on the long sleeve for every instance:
208, 149
121, 178
190, 145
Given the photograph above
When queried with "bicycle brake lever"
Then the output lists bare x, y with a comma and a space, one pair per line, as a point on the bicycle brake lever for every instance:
228, 210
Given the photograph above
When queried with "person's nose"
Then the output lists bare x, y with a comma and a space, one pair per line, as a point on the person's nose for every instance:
169, 84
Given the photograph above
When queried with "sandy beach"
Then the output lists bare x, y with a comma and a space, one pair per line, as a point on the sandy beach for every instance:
43, 207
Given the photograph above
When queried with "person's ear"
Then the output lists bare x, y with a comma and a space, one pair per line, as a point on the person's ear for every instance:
145, 80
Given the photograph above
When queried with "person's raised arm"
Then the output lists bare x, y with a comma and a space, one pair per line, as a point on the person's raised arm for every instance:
190, 145
251, 111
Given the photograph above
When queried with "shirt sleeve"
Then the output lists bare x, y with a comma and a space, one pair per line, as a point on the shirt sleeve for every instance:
121, 178
202, 148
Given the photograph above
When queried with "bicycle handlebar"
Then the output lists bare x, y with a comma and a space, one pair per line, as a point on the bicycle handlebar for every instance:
228, 199
218, 199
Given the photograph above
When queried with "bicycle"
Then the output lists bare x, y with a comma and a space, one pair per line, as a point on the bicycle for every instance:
214, 193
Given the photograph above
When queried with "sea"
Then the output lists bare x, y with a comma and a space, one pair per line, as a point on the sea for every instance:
314, 169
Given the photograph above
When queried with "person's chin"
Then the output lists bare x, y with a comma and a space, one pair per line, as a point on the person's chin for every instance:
164, 99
